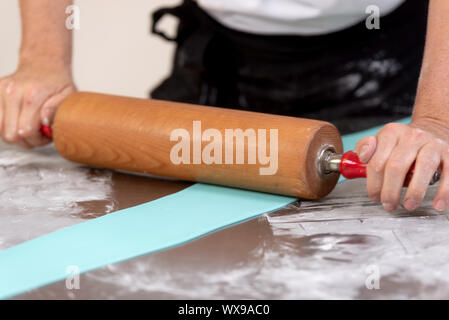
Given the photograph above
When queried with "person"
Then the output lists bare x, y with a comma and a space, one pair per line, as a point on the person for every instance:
317, 59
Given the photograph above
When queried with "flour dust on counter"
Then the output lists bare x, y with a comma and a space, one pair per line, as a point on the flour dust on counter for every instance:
41, 192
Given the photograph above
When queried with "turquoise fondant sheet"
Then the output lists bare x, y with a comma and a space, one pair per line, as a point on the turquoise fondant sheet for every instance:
122, 235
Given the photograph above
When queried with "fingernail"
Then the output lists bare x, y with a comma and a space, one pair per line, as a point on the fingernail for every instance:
9, 87
363, 152
20, 132
29, 128
410, 204
388, 207
440, 205
46, 122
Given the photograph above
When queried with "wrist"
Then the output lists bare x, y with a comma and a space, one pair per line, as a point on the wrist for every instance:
44, 61
45, 58
434, 125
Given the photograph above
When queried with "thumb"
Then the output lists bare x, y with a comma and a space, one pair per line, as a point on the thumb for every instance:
365, 148
48, 110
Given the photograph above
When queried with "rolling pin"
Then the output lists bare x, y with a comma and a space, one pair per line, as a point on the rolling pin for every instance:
170, 140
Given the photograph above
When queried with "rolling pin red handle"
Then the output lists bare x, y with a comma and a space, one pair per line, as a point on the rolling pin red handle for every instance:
350, 167
47, 131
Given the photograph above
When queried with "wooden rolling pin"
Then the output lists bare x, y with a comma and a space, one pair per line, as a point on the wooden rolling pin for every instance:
140, 135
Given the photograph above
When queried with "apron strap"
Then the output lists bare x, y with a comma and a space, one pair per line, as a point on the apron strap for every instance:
194, 26
179, 12
157, 16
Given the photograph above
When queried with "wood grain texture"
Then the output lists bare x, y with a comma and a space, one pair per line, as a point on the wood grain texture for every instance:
134, 135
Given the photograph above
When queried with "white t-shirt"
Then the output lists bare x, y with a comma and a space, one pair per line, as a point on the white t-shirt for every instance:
300, 17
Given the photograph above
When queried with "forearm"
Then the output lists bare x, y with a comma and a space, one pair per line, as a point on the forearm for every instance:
45, 37
432, 102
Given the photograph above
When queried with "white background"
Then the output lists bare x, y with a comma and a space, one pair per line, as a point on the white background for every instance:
114, 51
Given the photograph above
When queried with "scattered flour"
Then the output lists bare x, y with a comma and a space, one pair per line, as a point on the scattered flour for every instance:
40, 192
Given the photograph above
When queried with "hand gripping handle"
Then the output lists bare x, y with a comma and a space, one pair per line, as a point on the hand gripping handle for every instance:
352, 168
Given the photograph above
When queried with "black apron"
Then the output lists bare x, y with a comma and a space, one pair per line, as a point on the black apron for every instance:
355, 78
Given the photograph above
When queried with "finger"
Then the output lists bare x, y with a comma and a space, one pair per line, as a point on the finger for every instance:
2, 105
427, 162
30, 120
441, 200
396, 169
12, 99
386, 141
365, 148
50, 107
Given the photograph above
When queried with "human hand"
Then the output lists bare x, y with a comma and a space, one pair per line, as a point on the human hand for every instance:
393, 150
29, 98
